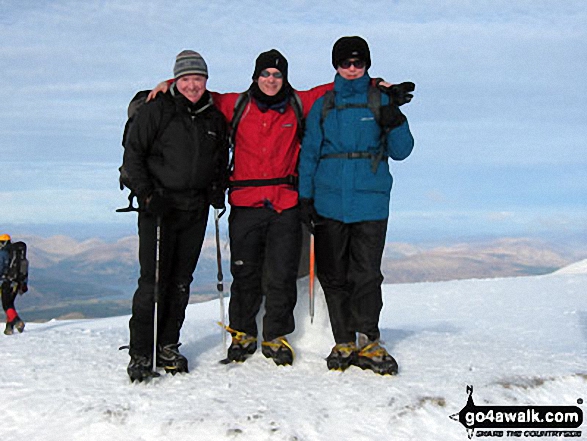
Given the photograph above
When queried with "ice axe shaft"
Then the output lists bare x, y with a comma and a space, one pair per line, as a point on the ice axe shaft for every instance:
312, 265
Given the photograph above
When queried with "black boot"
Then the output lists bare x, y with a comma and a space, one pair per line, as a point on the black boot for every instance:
170, 359
242, 346
9, 330
373, 356
18, 324
342, 356
140, 367
279, 350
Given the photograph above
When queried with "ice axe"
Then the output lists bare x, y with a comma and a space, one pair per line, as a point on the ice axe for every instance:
312, 265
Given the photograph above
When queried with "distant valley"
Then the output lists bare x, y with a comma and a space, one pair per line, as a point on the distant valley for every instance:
94, 278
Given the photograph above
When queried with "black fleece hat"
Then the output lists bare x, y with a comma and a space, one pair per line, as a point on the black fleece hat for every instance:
350, 47
272, 58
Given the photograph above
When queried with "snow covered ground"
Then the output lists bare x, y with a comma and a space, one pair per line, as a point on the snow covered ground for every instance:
517, 341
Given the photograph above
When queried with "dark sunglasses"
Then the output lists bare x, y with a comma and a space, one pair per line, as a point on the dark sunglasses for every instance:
359, 64
267, 74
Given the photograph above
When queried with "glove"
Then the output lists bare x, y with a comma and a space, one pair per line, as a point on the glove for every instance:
23, 288
308, 214
391, 117
158, 204
400, 94
216, 197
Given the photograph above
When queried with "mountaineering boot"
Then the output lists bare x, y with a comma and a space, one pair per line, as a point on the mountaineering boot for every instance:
18, 324
242, 346
9, 328
342, 356
279, 350
170, 359
140, 367
373, 356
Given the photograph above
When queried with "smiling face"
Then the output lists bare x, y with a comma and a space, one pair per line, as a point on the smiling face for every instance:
192, 86
270, 85
350, 71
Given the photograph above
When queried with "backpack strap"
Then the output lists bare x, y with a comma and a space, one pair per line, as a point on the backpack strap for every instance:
327, 105
296, 104
374, 105
240, 105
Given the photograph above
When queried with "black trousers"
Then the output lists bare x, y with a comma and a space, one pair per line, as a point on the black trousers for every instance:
264, 256
8, 295
182, 236
348, 266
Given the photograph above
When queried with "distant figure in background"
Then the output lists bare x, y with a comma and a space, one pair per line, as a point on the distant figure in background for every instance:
13, 280
177, 170
345, 187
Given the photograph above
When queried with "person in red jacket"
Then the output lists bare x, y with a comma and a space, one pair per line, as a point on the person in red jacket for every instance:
264, 223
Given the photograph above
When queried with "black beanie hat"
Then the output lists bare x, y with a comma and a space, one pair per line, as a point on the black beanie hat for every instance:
350, 47
272, 58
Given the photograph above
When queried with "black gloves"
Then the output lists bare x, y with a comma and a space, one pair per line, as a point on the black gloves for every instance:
308, 214
391, 117
399, 94
158, 204
216, 197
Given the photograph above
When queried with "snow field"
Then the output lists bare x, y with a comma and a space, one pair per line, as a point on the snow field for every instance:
517, 341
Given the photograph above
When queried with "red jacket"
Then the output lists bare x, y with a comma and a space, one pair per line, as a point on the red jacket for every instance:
267, 147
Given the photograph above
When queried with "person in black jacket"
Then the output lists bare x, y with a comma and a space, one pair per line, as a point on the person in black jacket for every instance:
176, 158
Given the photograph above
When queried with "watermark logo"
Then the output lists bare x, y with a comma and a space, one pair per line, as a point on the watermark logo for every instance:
518, 421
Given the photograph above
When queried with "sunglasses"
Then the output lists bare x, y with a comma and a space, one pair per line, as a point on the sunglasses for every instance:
346, 64
267, 74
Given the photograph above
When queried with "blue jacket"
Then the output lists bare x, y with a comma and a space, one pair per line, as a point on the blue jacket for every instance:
343, 189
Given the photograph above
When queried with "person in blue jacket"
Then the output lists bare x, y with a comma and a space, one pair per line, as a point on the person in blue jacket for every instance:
344, 190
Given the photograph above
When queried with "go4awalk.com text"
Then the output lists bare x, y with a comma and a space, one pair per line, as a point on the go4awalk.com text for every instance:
530, 421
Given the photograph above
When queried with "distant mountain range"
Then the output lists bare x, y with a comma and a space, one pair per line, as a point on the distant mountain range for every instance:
94, 278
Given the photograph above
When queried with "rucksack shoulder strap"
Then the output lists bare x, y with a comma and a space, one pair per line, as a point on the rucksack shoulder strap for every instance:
374, 103
239, 107
327, 104
298, 108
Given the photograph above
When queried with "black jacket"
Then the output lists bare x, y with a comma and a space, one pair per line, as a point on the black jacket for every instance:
178, 147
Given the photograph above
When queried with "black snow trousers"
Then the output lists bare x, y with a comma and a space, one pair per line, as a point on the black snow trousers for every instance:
348, 266
8, 295
182, 236
264, 256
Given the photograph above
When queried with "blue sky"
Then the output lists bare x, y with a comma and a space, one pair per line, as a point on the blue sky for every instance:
498, 117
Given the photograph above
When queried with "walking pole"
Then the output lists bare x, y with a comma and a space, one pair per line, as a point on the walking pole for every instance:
156, 291
220, 284
312, 278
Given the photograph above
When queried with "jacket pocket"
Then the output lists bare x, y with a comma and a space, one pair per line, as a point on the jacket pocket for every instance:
367, 181
329, 174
